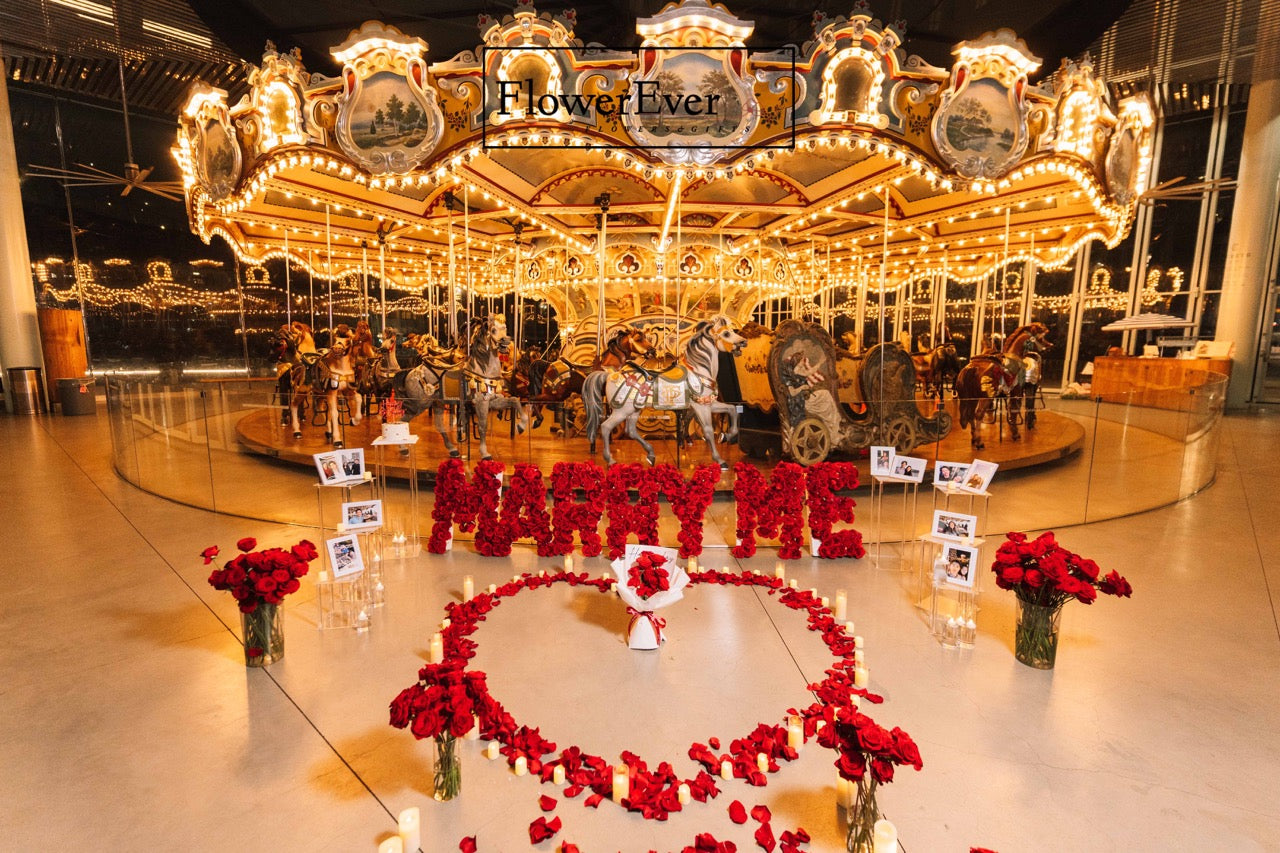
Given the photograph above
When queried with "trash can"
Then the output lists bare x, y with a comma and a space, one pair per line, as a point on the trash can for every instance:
26, 390
76, 396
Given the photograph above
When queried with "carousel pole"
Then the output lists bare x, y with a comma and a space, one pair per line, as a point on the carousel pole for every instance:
382, 280
288, 292
519, 300
311, 287
328, 264
603, 201
1029, 283
364, 278
884, 264
244, 326
1004, 273
466, 257
860, 312
453, 277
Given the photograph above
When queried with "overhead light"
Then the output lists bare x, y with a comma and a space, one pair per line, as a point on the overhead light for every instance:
172, 32
90, 11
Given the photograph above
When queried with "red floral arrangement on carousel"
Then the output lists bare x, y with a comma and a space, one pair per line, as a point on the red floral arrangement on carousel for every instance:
648, 575
255, 578
1042, 572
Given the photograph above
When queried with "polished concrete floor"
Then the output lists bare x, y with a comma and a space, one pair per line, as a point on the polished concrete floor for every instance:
128, 721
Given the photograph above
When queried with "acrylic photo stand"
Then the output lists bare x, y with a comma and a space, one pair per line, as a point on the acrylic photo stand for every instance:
340, 493
346, 603
401, 536
951, 609
950, 499
907, 520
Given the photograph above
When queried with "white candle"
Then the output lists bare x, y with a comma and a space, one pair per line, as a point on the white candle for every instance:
515, 579
693, 563
762, 762
857, 642
793, 584
842, 605
885, 837
521, 766
846, 792
491, 751
813, 591
780, 570
726, 769
557, 774
848, 628
795, 733
683, 795
860, 677
493, 587
445, 623
473, 733
621, 783
860, 658
468, 588
568, 562
437, 648
826, 602
394, 844
411, 829
542, 573
856, 702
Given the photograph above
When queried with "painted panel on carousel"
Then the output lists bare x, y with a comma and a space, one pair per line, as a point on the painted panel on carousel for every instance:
980, 128
692, 100
1129, 158
214, 145
389, 120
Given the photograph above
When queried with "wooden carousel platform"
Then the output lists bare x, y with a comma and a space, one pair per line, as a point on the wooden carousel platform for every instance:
1055, 437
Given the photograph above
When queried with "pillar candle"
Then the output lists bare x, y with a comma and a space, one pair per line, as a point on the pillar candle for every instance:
411, 829
491, 751
762, 762
693, 563
445, 623
826, 602
726, 769
848, 628
474, 732
860, 677
793, 584
683, 795
842, 605
858, 642
515, 579
493, 587
780, 570
521, 766
568, 562
621, 783
437, 648
846, 792
468, 588
394, 844
557, 774
542, 573
885, 837
860, 658
856, 702
795, 733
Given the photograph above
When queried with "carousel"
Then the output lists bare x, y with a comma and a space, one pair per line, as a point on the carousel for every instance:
778, 252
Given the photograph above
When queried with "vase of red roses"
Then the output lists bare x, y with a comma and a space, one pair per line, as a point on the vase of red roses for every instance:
442, 706
259, 581
868, 753
1045, 576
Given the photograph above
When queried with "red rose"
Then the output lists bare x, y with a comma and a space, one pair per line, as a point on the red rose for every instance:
905, 750
1033, 578
281, 576
874, 738
1011, 574
881, 770
247, 544
209, 553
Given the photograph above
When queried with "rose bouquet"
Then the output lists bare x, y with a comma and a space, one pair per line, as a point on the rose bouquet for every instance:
868, 753
648, 579
259, 581
442, 706
1045, 576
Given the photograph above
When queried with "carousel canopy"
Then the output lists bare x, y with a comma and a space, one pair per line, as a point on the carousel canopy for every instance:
591, 176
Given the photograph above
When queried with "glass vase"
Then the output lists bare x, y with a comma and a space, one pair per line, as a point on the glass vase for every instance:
862, 816
263, 632
1036, 640
448, 768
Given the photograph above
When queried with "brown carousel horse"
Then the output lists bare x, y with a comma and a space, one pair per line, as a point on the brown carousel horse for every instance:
936, 369
376, 367
999, 376
295, 350
338, 376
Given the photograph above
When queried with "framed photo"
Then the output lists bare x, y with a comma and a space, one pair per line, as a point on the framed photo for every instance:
909, 468
882, 461
961, 564
953, 525
344, 555
362, 515
352, 463
953, 473
329, 466
978, 477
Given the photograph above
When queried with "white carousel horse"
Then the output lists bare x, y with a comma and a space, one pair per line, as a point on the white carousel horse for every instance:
484, 375
688, 384
338, 376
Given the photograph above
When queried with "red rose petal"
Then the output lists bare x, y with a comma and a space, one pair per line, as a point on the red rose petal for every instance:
547, 803
714, 742
468, 844
593, 800
737, 812
542, 829
764, 837
761, 814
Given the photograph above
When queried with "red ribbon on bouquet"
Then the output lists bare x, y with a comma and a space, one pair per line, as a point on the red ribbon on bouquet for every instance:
657, 622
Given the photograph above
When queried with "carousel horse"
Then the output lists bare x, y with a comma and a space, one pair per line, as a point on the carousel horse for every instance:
998, 376
296, 353
1026, 344
688, 384
485, 377
562, 378
936, 369
376, 366
435, 384
338, 376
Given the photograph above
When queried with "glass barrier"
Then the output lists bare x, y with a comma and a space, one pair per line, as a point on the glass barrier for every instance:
227, 445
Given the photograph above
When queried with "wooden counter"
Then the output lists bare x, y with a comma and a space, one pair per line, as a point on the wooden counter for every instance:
1160, 383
